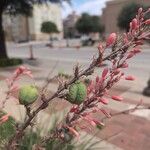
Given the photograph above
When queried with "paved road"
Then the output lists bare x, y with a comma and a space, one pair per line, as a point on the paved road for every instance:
68, 56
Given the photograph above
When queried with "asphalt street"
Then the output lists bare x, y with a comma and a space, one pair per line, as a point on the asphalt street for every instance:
68, 57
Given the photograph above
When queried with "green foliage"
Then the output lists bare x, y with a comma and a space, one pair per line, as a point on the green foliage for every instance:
127, 13
28, 94
7, 129
59, 145
87, 24
97, 25
4, 62
29, 140
77, 93
33, 137
49, 27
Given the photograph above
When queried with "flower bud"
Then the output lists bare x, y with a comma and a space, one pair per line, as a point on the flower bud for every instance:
131, 78
104, 101
147, 22
136, 50
134, 24
130, 55
117, 98
111, 39
100, 48
140, 10
104, 73
124, 65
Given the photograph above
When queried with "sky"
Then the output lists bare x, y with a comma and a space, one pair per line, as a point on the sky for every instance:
93, 7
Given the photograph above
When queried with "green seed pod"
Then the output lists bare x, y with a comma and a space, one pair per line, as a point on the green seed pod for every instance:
28, 94
77, 93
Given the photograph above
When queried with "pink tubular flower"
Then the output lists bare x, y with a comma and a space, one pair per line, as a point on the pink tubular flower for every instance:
23, 70
124, 65
98, 122
117, 71
72, 130
147, 22
102, 100
104, 73
130, 55
134, 24
14, 88
89, 120
20, 70
28, 73
100, 48
131, 78
139, 43
90, 88
111, 39
105, 113
4, 118
125, 38
117, 98
136, 50
140, 10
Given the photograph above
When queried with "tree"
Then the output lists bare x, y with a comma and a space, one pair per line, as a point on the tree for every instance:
127, 13
14, 7
49, 27
97, 25
87, 24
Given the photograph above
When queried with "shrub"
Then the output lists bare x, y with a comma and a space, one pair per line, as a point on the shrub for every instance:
10, 62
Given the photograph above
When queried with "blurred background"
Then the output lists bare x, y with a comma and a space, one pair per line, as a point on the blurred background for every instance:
57, 35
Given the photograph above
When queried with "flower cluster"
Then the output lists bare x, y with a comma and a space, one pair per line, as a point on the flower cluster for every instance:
123, 48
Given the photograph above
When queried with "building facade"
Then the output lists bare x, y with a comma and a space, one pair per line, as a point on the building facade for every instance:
22, 28
112, 10
69, 25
